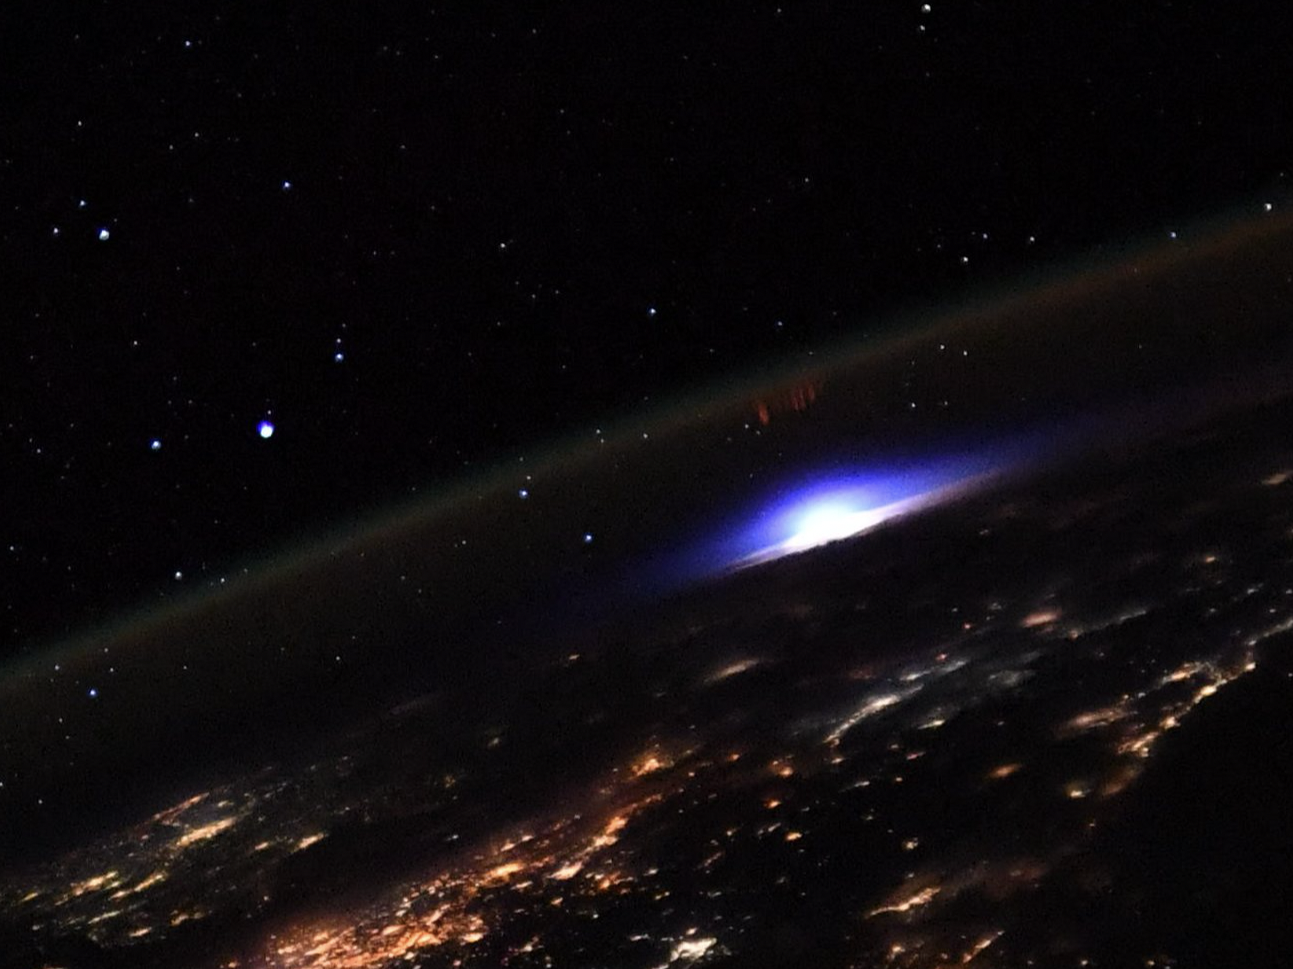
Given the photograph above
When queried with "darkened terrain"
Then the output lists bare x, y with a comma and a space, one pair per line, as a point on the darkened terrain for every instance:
1046, 723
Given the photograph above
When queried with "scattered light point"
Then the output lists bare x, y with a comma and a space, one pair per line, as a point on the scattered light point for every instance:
588, 538
524, 493
287, 186
104, 235
338, 357
155, 444
92, 693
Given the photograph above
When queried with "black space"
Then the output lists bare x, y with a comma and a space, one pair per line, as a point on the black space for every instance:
513, 224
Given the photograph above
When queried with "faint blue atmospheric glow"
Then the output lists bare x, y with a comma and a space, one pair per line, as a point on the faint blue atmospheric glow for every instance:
155, 444
265, 429
104, 235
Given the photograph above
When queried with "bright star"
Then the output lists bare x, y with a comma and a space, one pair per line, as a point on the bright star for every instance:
265, 429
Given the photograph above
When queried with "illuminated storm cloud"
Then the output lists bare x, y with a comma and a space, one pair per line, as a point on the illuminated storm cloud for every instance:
831, 509
820, 522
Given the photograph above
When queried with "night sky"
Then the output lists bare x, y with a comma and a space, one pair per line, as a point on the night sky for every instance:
414, 241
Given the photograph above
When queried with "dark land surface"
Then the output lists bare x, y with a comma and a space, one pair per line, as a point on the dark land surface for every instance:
1046, 725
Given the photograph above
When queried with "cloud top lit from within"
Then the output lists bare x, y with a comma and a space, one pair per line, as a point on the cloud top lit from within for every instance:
807, 522
832, 508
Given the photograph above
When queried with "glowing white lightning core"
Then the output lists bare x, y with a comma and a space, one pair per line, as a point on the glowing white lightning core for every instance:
830, 523
831, 520
843, 513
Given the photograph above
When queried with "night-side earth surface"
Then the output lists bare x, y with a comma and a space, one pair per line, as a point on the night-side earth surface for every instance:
1043, 725
1018, 696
